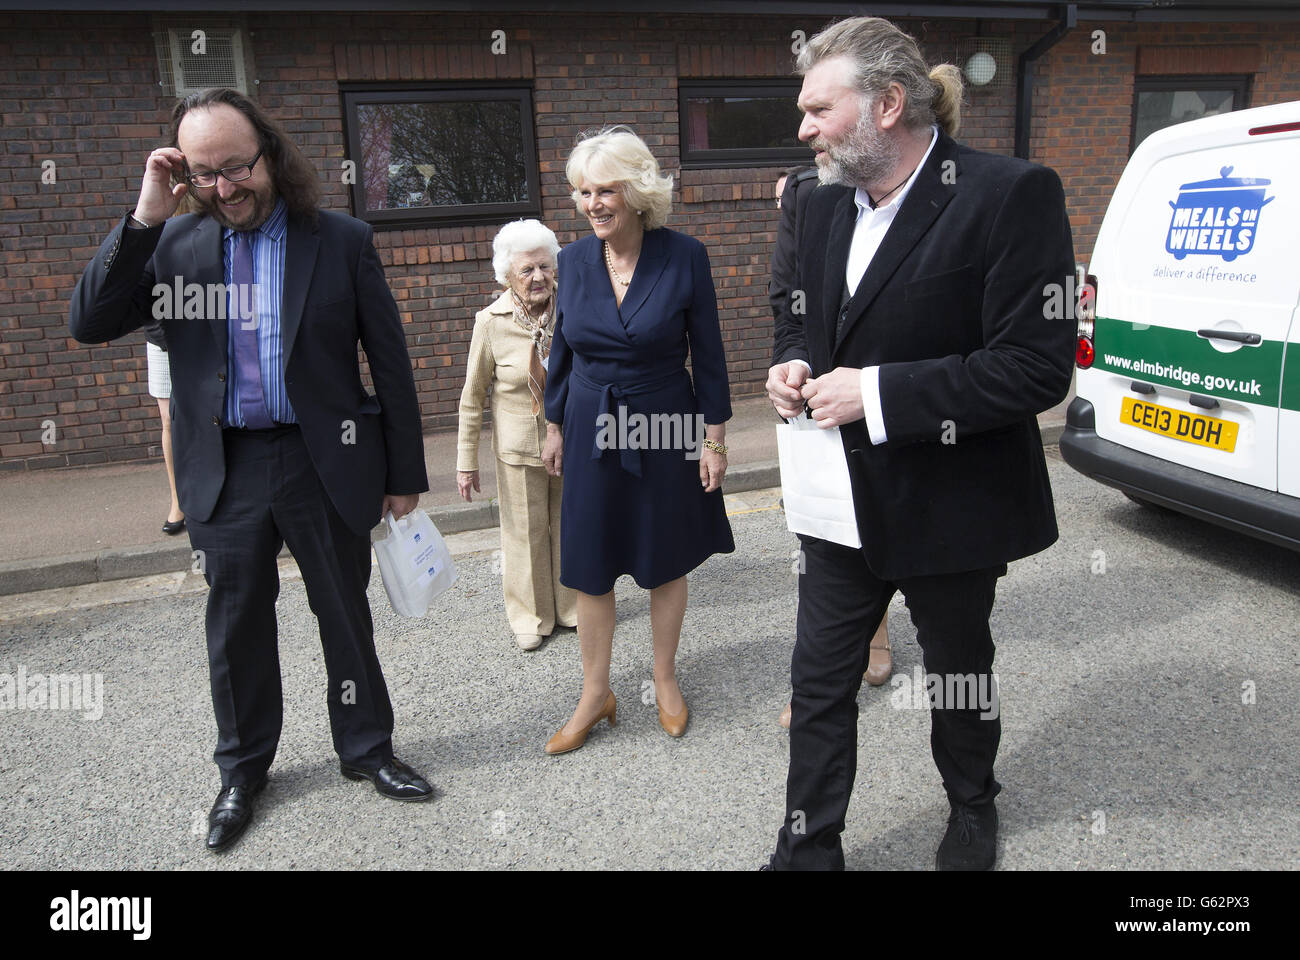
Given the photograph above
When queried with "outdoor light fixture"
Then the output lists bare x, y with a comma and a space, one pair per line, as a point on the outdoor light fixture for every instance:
986, 62
981, 68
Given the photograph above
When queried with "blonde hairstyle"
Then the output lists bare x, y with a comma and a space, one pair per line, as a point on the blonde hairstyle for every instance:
882, 54
519, 237
616, 155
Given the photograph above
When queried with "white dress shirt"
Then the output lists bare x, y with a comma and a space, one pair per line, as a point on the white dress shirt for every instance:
868, 234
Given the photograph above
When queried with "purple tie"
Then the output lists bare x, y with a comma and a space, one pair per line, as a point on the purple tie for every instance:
252, 404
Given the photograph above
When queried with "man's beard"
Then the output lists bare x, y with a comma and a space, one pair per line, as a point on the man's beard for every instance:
262, 206
866, 156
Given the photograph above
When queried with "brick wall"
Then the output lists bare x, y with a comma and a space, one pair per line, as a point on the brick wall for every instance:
1083, 108
82, 90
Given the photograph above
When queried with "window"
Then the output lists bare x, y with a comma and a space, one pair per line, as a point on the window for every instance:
1161, 102
739, 123
442, 156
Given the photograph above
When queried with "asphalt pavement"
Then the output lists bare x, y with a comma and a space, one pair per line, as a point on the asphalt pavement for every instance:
1148, 665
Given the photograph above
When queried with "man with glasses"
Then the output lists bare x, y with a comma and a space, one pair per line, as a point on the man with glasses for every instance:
275, 439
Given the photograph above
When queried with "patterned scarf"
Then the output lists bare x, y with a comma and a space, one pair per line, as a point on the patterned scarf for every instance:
539, 332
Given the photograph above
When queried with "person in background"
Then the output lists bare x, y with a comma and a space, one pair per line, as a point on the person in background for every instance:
635, 300
790, 200
160, 388
794, 188
508, 352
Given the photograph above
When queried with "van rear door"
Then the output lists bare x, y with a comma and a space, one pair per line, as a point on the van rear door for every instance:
1197, 281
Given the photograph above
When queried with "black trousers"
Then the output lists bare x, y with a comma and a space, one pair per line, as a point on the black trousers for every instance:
272, 496
840, 604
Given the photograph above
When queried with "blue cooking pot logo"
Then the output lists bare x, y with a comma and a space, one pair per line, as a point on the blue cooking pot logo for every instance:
1217, 217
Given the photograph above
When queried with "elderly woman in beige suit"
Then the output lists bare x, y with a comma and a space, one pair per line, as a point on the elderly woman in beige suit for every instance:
508, 352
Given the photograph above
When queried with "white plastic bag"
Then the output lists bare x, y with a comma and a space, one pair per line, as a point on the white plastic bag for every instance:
415, 563
815, 482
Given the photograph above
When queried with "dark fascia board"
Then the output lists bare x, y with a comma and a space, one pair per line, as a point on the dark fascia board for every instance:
1044, 10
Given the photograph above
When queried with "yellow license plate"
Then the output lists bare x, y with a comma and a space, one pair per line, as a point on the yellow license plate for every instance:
1210, 432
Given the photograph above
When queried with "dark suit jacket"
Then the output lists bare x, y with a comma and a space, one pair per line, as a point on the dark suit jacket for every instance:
952, 309
335, 296
794, 200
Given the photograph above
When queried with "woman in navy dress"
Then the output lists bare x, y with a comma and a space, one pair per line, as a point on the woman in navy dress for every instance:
641, 447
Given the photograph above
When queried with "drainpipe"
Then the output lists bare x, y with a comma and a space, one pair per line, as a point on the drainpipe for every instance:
1025, 75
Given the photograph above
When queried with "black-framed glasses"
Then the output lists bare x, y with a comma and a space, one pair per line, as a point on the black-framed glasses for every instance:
240, 171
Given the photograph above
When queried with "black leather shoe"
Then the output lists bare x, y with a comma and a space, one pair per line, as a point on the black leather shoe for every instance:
232, 813
173, 527
394, 780
972, 839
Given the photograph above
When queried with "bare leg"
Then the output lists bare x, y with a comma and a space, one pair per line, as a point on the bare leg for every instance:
880, 662
596, 641
164, 410
881, 638
667, 610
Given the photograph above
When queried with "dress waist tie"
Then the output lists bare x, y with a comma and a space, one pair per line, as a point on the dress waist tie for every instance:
629, 458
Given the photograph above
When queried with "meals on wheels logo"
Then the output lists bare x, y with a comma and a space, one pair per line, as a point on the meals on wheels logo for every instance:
1217, 217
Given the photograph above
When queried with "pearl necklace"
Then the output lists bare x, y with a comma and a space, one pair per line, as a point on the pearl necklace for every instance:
609, 262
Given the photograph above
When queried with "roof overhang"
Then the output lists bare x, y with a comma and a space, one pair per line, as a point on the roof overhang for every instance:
1123, 10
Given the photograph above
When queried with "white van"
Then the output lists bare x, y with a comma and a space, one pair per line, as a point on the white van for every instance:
1188, 380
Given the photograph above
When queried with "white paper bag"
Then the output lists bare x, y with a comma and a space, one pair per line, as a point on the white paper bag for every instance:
414, 562
815, 482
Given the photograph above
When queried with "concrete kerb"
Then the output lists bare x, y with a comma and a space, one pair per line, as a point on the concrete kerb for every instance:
27, 576
168, 556
1051, 433
456, 517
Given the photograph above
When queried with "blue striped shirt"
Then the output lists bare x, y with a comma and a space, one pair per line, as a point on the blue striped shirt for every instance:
269, 242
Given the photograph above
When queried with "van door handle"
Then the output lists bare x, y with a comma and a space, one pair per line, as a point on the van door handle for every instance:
1250, 339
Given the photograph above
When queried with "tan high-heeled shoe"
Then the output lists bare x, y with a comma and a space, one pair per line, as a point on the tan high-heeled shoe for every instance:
880, 664
560, 743
674, 724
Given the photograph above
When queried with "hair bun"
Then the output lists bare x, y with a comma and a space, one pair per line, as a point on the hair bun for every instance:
947, 97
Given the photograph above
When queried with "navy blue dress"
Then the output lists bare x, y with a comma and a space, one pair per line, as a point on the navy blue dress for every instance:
629, 507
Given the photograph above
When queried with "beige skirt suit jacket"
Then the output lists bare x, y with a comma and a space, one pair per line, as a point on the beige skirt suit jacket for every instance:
528, 497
